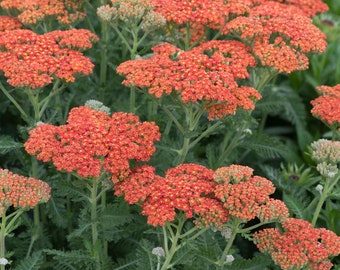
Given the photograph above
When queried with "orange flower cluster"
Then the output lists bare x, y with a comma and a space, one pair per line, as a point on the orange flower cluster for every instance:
8, 23
187, 188
207, 73
31, 60
309, 7
299, 246
326, 107
34, 11
92, 141
281, 34
209, 197
246, 196
212, 13
20, 191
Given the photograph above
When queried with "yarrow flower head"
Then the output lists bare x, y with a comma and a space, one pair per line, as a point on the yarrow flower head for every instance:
97, 105
299, 245
9, 23
34, 11
186, 188
158, 251
132, 12
246, 196
326, 151
281, 34
327, 170
92, 141
203, 12
21, 192
193, 190
206, 74
326, 107
31, 60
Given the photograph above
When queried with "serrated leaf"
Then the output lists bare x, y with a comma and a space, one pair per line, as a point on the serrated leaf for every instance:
258, 262
265, 146
8, 144
33, 262
295, 206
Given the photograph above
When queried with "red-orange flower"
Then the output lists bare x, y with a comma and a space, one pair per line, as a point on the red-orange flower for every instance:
34, 11
206, 74
209, 197
280, 34
21, 192
299, 245
186, 188
31, 60
246, 196
92, 141
9, 23
326, 107
309, 7
213, 13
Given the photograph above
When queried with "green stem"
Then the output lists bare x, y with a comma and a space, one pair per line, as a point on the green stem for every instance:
6, 229
226, 250
15, 103
94, 219
3, 234
205, 133
174, 241
103, 59
248, 229
57, 88
174, 119
121, 36
36, 210
227, 149
184, 151
34, 99
329, 184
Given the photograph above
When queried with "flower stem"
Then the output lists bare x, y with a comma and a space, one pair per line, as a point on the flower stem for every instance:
169, 253
329, 184
15, 103
226, 250
94, 221
103, 59
2, 238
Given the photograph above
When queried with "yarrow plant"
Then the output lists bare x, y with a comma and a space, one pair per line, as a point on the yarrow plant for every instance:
172, 134
226, 198
93, 141
21, 193
33, 12
299, 245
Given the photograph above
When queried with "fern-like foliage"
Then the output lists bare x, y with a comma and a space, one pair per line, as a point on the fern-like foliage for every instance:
70, 260
265, 146
284, 102
297, 206
112, 220
258, 262
34, 262
8, 144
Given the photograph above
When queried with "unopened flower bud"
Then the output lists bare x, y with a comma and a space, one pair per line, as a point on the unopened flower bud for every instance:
158, 251
106, 13
226, 233
319, 188
97, 105
153, 21
327, 170
3, 261
229, 259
